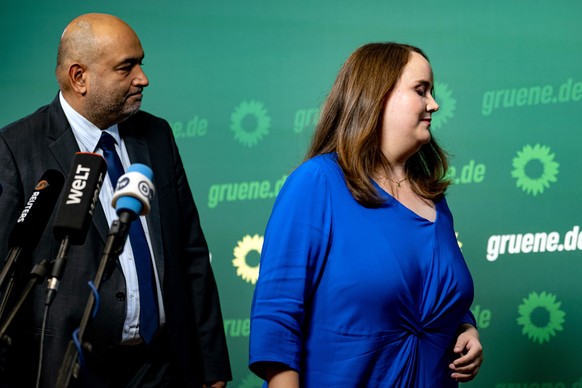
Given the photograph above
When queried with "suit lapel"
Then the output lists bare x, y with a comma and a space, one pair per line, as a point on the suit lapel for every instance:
139, 152
61, 141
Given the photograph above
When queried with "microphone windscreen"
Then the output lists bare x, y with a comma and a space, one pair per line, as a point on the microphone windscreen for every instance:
134, 190
79, 198
37, 211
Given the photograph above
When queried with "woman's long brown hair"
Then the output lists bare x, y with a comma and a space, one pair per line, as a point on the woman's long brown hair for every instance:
351, 119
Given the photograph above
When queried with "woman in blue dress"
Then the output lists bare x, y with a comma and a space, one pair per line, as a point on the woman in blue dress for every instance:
362, 282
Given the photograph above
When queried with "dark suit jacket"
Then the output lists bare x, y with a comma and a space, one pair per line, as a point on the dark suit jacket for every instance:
194, 323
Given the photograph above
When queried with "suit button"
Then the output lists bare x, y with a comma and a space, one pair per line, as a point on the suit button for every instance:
120, 296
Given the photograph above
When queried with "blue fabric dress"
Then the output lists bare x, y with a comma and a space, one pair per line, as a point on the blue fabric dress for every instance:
357, 297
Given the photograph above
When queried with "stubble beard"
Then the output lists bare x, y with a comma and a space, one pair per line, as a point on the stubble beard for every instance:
105, 110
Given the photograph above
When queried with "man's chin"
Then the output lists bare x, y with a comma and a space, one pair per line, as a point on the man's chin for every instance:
130, 111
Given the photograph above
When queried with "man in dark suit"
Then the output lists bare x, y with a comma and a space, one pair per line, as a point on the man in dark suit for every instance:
101, 83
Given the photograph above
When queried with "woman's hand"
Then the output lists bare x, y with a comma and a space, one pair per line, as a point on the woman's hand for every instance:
470, 352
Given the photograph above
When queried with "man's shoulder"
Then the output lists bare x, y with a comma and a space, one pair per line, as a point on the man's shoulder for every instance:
29, 122
146, 125
146, 118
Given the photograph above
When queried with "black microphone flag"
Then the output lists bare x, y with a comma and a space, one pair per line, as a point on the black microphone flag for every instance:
33, 219
80, 196
37, 211
76, 210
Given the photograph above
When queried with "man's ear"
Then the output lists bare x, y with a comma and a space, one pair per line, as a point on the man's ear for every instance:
78, 78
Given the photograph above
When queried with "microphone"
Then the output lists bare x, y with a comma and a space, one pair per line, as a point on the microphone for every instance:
132, 198
79, 200
31, 223
134, 192
76, 210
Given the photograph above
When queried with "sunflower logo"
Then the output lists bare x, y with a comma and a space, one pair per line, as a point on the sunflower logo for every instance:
531, 157
540, 316
249, 273
447, 105
251, 381
254, 112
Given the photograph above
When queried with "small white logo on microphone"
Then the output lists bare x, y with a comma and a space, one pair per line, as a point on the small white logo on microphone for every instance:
144, 188
122, 182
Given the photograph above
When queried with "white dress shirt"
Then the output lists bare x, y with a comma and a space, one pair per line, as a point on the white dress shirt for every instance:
87, 136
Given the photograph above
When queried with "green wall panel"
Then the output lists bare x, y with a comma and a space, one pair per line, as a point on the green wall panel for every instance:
241, 84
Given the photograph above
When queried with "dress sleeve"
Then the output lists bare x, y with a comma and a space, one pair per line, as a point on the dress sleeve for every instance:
292, 258
469, 318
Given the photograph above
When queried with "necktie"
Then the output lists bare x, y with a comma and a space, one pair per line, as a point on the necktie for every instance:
148, 316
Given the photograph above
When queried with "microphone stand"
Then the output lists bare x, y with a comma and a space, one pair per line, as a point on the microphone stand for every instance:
113, 247
58, 269
9, 268
37, 276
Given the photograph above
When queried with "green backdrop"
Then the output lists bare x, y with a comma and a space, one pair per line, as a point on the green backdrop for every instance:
241, 82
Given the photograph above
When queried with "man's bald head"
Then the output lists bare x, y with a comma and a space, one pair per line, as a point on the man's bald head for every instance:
99, 68
83, 40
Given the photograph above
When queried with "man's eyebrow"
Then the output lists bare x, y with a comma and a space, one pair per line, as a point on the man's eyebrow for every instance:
131, 60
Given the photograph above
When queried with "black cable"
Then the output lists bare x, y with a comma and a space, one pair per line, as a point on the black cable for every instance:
41, 350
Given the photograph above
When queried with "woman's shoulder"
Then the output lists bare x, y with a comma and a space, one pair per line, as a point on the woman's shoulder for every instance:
319, 171
324, 163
